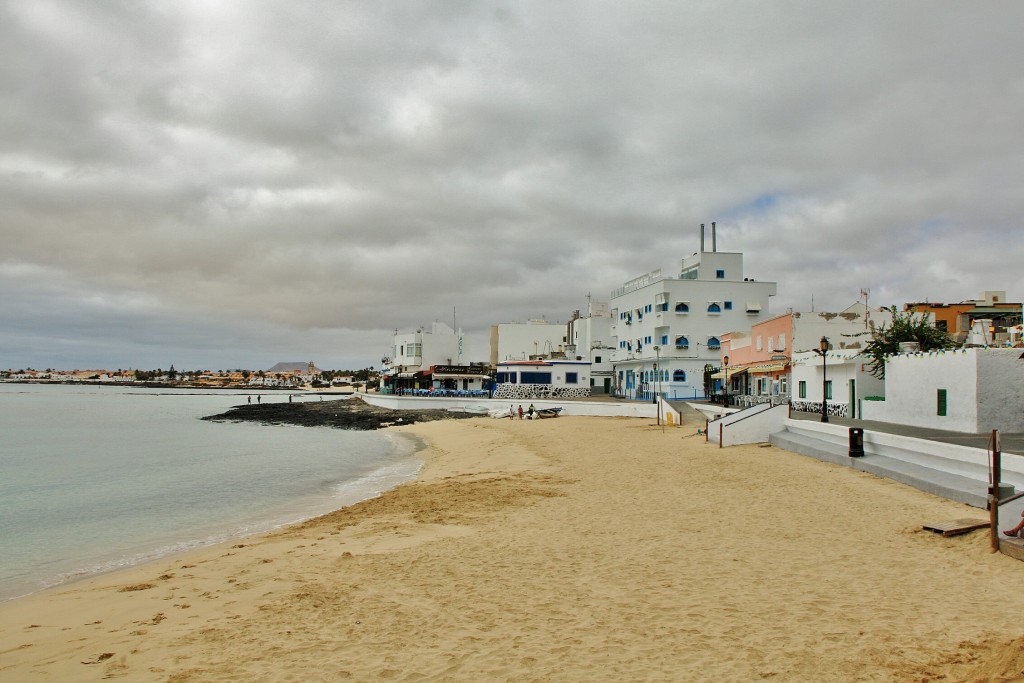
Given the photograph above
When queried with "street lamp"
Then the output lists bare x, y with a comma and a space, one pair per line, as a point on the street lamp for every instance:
821, 351
726, 361
657, 379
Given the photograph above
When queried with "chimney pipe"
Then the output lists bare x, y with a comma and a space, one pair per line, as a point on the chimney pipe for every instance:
714, 237
702, 238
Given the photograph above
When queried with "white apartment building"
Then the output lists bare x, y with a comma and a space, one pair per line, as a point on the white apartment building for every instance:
668, 328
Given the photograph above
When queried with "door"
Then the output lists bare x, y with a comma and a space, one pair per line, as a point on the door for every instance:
853, 398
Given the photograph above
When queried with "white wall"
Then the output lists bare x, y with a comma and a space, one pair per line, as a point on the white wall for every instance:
984, 390
593, 408
519, 341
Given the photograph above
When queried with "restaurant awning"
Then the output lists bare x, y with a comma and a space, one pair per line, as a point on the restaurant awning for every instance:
442, 375
732, 373
763, 369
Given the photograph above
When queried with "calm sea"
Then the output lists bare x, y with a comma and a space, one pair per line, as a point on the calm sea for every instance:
97, 478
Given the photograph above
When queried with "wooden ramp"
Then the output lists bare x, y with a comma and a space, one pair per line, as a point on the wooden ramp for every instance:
957, 526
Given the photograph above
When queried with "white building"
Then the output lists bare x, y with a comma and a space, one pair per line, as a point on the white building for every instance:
590, 339
522, 341
679, 322
845, 377
417, 352
521, 380
973, 390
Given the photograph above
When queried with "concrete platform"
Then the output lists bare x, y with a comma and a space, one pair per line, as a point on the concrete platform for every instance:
952, 486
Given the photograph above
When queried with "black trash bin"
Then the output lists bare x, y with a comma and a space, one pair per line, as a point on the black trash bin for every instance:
856, 442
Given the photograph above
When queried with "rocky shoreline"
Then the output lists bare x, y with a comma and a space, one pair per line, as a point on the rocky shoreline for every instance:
351, 413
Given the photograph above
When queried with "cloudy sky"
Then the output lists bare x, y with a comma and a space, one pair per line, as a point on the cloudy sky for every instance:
221, 184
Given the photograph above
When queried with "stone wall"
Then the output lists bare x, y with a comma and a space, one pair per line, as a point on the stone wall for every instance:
528, 391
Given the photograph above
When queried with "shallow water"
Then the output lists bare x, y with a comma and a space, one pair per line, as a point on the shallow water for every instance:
97, 478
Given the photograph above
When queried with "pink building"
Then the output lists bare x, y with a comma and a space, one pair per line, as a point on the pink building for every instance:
759, 359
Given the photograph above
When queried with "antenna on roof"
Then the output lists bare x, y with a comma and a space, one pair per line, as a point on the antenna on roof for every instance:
867, 314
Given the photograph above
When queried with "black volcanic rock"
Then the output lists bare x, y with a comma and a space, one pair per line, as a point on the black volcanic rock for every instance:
353, 413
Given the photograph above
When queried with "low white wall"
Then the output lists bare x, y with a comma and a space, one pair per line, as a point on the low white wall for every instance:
594, 408
753, 425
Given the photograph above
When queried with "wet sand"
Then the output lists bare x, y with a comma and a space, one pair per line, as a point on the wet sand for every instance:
568, 549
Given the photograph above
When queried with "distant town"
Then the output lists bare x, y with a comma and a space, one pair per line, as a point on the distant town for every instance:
282, 376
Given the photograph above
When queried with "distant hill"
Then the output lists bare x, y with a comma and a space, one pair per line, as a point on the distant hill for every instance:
294, 367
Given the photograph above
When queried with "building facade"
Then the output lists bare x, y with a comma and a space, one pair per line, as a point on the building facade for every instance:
668, 328
957, 320
590, 339
971, 390
521, 380
759, 359
523, 341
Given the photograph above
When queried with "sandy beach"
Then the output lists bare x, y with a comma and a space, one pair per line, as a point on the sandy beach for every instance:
572, 549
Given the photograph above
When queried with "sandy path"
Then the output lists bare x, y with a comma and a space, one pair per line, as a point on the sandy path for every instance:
568, 549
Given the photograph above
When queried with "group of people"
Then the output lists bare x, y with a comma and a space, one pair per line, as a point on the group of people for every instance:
512, 412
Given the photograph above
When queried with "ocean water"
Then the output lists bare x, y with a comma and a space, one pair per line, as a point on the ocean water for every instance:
98, 478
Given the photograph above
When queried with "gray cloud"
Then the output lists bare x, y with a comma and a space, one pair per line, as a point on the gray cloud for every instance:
262, 181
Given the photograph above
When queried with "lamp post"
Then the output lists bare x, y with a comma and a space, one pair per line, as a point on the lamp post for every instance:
821, 351
657, 379
726, 361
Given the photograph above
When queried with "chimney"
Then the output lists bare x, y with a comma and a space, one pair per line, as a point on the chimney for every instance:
714, 237
702, 238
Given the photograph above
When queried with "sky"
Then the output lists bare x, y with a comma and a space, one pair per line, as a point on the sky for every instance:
220, 184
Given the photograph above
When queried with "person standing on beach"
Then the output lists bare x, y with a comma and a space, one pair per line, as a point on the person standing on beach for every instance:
250, 400
511, 412
530, 411
520, 411
258, 397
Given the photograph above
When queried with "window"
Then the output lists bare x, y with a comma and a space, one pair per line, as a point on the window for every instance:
720, 274
682, 343
759, 342
714, 308
679, 376
782, 341
663, 306
536, 377
682, 307
771, 343
728, 305
597, 359
664, 340
783, 385
713, 343
941, 409
802, 388
571, 378
828, 390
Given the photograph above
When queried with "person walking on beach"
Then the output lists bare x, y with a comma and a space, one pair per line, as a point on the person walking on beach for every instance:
511, 412
258, 398
250, 400
520, 411
530, 411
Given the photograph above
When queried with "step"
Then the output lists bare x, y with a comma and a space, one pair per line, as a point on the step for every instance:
962, 489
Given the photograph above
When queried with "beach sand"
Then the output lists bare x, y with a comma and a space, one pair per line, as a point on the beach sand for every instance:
572, 549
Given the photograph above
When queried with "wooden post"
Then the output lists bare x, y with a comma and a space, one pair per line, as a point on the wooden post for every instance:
993, 499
